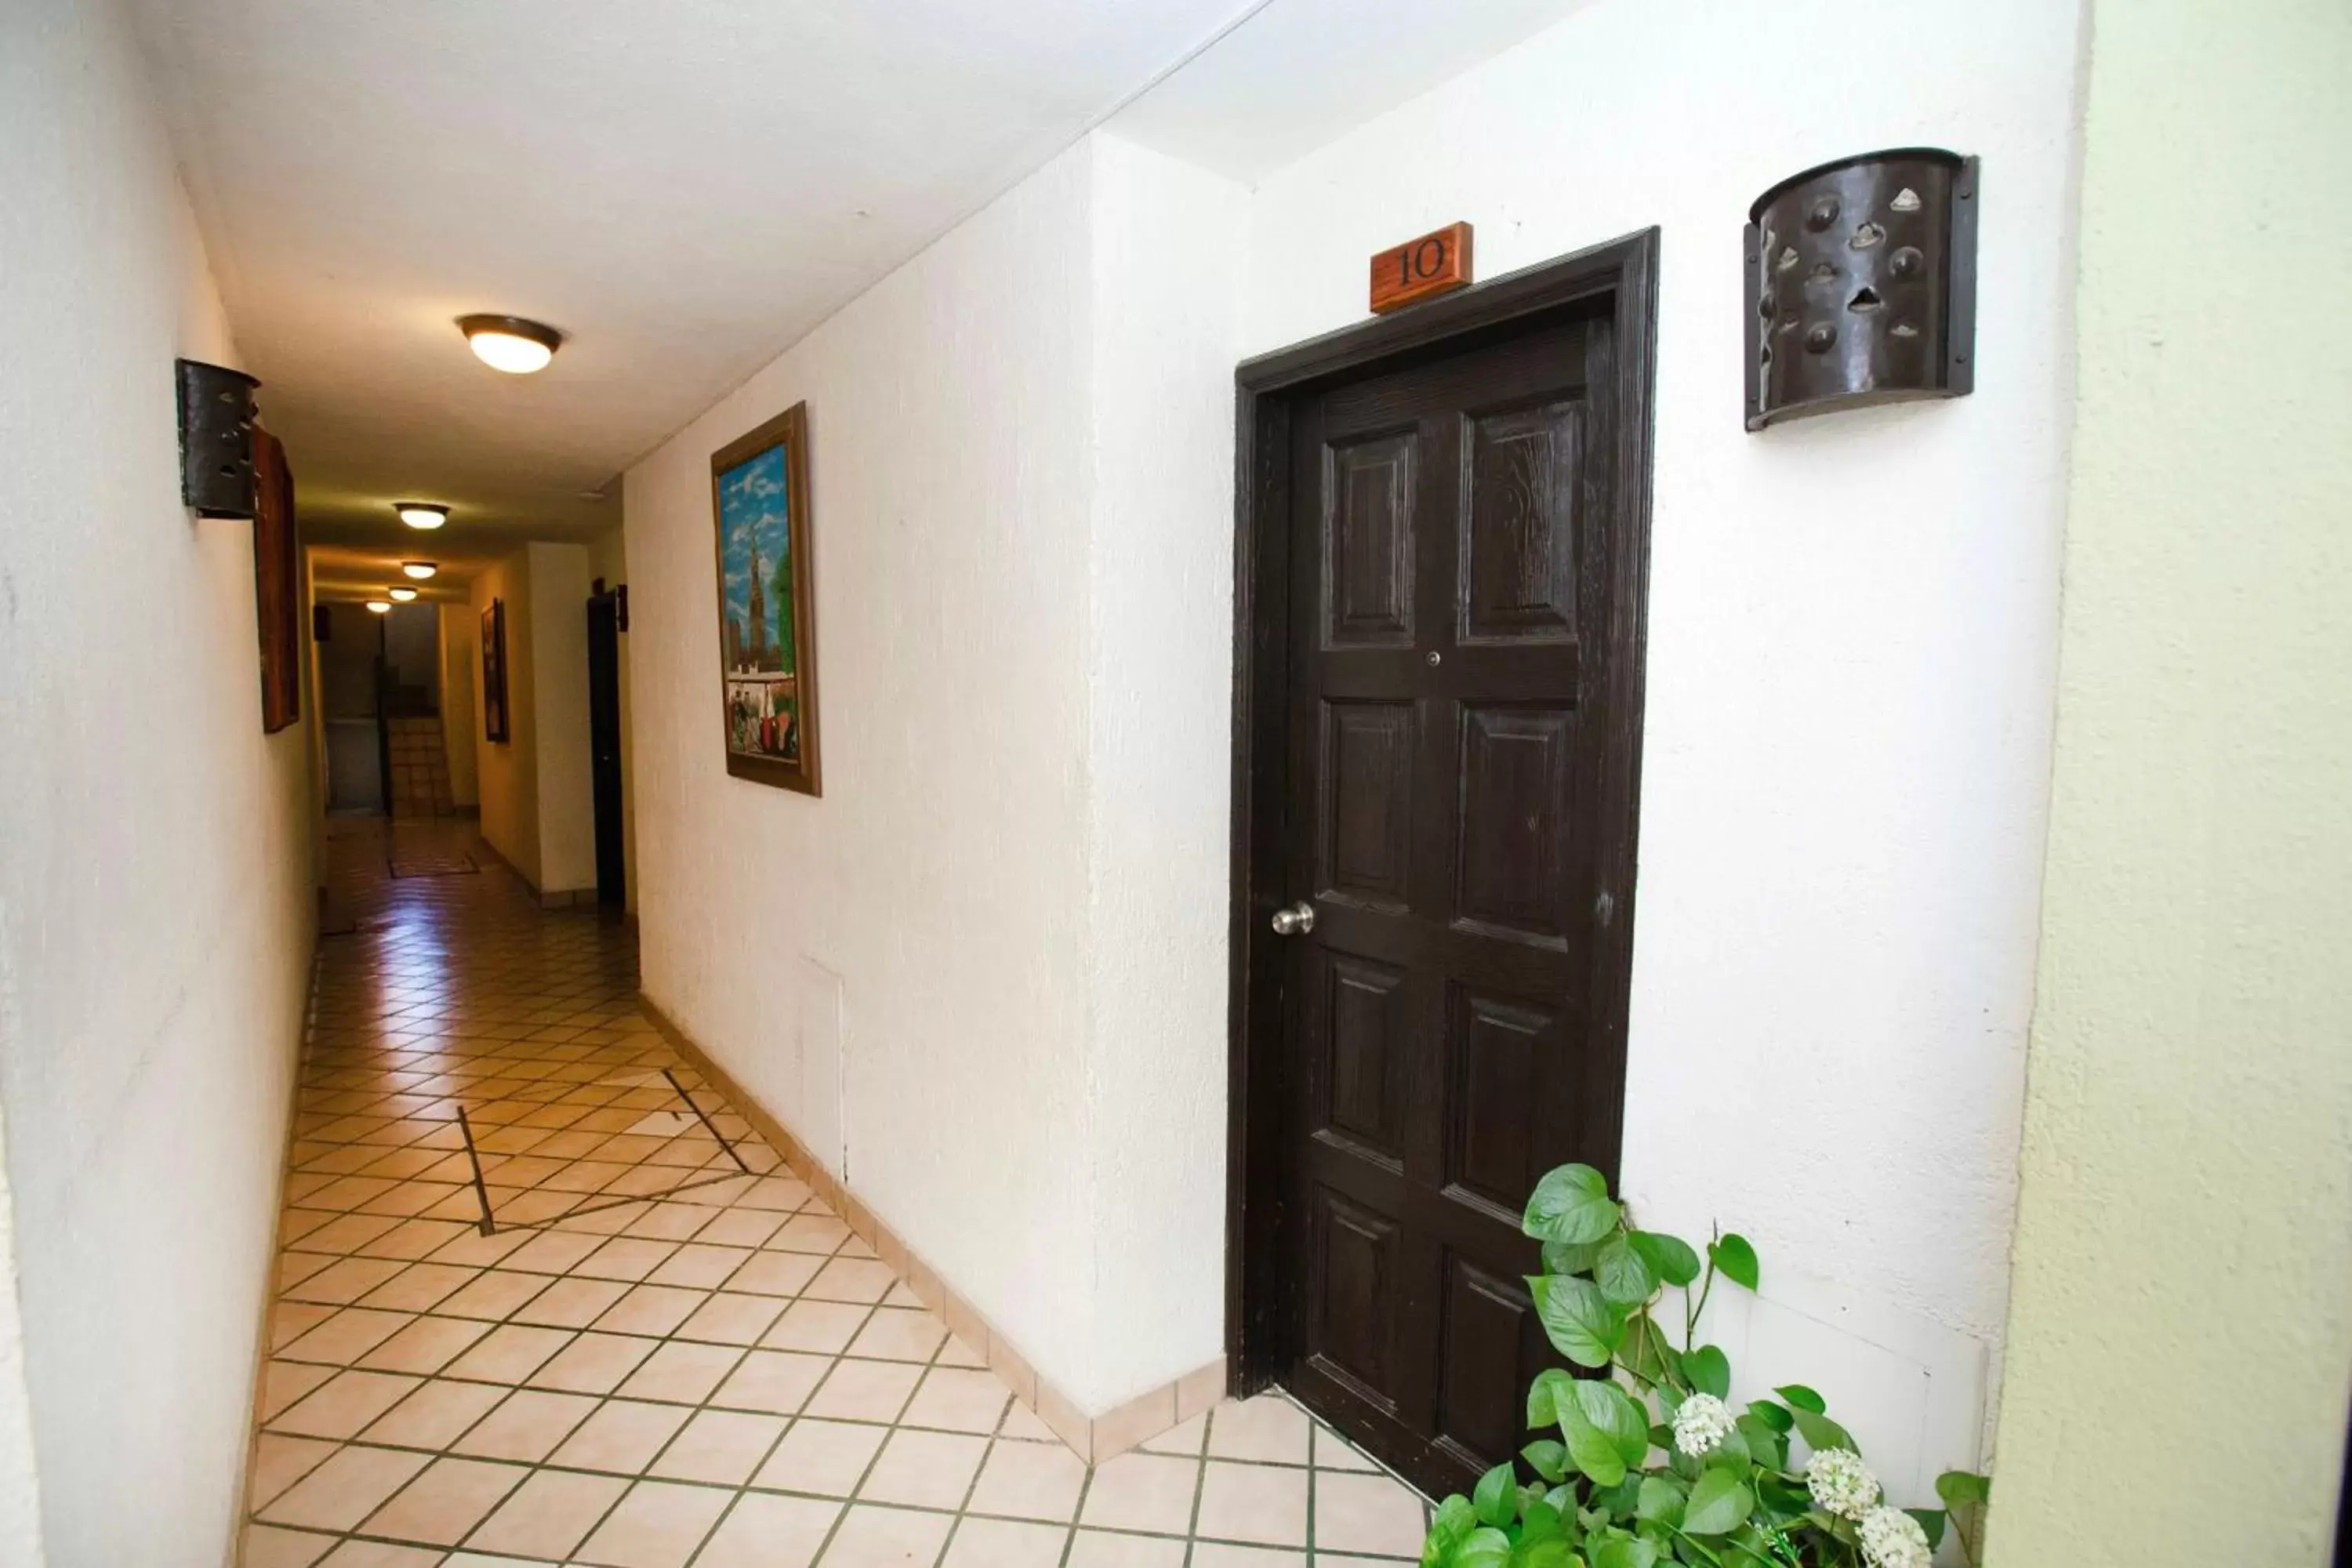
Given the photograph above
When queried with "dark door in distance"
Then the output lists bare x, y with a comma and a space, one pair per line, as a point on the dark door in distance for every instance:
605, 744
1451, 538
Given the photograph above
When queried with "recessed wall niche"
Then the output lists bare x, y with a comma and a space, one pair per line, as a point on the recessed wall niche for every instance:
1861, 284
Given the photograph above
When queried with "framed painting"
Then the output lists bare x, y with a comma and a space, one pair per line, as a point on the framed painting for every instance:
766, 601
494, 671
276, 583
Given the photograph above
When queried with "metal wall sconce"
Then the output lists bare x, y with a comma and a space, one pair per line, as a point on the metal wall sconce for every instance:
1861, 284
217, 415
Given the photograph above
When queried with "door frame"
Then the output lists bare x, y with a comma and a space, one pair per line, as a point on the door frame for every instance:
1624, 271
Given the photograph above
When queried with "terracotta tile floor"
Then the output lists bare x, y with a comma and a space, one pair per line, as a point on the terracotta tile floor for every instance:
667, 1351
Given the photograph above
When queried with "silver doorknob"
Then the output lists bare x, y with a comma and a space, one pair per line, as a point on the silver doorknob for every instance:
1298, 918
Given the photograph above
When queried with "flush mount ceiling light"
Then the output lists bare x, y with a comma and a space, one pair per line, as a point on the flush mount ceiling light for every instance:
401, 594
420, 570
379, 606
421, 513
509, 342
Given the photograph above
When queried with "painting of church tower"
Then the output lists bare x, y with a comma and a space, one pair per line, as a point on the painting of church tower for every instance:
764, 602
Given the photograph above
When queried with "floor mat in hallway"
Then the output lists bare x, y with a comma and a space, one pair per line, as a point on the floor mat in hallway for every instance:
667, 1352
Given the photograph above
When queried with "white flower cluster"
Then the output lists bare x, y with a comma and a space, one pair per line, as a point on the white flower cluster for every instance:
1702, 1424
1840, 1483
1893, 1539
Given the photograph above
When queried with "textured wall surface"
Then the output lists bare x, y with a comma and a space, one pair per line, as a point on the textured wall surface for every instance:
559, 646
461, 700
2182, 1313
1852, 629
943, 875
536, 806
1023, 473
1159, 726
155, 905
507, 771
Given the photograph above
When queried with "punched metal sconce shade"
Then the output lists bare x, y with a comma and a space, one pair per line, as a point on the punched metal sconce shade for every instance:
217, 415
1861, 284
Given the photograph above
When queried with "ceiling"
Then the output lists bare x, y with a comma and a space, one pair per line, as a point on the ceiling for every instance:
364, 569
684, 189
1300, 73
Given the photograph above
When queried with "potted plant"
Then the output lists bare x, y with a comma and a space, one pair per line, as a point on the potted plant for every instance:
1652, 1465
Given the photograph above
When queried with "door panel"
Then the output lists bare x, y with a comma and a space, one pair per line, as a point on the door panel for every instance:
1518, 535
1366, 807
1513, 826
1447, 732
1368, 591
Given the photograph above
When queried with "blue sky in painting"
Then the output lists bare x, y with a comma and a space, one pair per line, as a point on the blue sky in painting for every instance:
752, 507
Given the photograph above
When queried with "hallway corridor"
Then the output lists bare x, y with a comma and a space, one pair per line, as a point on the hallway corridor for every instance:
663, 1349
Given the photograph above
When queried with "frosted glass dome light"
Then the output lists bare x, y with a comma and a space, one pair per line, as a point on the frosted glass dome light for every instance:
510, 344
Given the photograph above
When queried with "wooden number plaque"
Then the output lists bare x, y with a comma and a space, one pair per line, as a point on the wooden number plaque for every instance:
1422, 269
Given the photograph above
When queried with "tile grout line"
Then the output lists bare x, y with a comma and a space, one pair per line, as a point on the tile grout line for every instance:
534, 1021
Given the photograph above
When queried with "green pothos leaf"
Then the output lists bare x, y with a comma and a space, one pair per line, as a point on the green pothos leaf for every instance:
1571, 1257
1582, 1324
1549, 1551
1543, 1395
1709, 1370
1485, 1547
1735, 1259
1821, 1432
1631, 1553
1622, 1274
1495, 1497
1449, 1526
1662, 1499
1669, 1257
1570, 1203
1719, 1503
1802, 1398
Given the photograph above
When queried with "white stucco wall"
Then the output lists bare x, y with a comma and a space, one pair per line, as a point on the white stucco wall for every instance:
155, 905
536, 805
20, 1481
1851, 648
1852, 642
506, 772
1167, 292
2183, 1306
558, 632
942, 876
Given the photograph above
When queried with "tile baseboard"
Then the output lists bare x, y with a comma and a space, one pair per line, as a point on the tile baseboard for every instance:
1093, 1438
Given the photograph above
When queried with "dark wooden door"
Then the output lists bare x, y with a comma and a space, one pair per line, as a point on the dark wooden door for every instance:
1455, 820
604, 746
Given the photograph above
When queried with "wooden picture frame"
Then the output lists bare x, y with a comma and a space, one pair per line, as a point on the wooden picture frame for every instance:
276, 583
767, 604
495, 727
